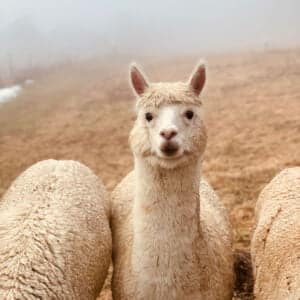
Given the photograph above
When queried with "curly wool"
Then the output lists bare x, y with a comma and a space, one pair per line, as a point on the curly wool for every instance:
275, 246
55, 241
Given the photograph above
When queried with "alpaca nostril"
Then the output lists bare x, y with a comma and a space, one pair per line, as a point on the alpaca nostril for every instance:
168, 134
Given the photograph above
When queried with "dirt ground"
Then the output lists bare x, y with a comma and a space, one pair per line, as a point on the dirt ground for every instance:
85, 111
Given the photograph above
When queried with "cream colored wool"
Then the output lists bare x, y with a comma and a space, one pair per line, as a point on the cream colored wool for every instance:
275, 246
162, 93
55, 241
170, 241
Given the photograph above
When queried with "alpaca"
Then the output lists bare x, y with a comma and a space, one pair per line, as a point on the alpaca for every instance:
275, 246
169, 240
55, 240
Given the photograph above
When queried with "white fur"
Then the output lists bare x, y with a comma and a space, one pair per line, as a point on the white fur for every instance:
170, 241
170, 117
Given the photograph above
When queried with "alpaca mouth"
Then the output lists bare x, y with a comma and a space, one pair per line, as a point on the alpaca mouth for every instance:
169, 149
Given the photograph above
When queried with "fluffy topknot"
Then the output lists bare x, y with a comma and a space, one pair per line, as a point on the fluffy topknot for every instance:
162, 93
157, 94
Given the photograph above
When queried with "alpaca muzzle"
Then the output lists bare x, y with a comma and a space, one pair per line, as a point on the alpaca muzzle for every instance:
169, 148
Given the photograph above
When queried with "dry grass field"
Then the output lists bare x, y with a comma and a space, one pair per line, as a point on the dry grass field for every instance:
85, 112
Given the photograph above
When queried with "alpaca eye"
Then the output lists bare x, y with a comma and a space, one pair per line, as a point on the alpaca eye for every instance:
148, 116
189, 114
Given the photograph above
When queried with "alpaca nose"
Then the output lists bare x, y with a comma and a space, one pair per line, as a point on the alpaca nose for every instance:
168, 133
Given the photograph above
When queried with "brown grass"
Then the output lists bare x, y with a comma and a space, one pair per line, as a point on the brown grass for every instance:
85, 113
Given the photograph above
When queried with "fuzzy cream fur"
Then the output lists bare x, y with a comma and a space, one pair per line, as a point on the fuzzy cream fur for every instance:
55, 241
275, 246
167, 93
171, 236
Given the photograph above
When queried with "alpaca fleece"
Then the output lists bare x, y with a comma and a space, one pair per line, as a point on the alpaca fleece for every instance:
171, 236
275, 246
55, 240
168, 256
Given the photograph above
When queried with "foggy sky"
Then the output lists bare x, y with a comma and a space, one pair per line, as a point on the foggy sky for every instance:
36, 31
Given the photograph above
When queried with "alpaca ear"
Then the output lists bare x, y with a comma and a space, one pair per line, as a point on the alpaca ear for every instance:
138, 80
197, 79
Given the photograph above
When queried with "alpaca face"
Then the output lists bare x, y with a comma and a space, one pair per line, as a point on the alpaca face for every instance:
169, 135
169, 129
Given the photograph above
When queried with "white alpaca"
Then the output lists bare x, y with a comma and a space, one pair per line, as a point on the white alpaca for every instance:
169, 240
55, 241
275, 246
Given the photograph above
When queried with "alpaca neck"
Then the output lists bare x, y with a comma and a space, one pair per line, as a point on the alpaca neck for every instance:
161, 191
166, 223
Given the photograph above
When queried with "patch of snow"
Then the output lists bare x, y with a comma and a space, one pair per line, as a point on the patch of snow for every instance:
29, 81
9, 93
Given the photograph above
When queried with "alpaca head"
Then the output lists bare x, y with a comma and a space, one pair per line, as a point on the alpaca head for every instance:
169, 129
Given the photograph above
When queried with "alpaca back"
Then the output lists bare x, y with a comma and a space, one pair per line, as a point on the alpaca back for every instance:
55, 240
275, 246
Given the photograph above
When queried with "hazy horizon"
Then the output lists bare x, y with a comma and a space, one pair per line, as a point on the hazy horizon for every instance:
37, 33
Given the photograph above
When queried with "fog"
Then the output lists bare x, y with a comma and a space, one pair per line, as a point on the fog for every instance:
37, 33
